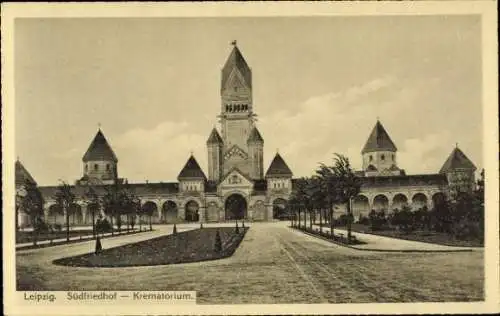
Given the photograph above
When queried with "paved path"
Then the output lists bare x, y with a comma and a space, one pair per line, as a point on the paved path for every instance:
274, 264
382, 243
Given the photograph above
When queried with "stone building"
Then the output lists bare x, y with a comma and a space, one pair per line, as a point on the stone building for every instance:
386, 186
236, 187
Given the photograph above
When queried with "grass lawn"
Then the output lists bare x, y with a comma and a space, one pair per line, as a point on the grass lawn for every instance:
189, 246
423, 236
27, 236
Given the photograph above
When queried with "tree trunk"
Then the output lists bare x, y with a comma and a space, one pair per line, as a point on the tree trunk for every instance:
93, 223
150, 224
311, 219
128, 223
299, 219
112, 227
331, 220
320, 220
67, 224
33, 219
349, 221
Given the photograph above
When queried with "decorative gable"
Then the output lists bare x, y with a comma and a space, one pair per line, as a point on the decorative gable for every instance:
236, 178
235, 151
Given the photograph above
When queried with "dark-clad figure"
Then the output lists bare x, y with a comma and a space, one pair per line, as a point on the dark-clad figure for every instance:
98, 246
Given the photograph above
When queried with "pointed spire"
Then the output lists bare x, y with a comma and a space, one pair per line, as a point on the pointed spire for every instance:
22, 175
379, 140
191, 170
99, 149
255, 136
457, 160
278, 167
214, 137
236, 60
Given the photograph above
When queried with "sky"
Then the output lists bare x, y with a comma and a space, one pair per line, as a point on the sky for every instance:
319, 85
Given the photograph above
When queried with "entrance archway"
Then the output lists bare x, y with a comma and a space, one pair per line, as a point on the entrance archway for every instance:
75, 213
236, 207
192, 211
280, 209
169, 212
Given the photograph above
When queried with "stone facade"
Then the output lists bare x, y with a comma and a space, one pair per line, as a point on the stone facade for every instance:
236, 186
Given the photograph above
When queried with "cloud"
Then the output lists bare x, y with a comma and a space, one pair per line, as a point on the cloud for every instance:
340, 122
158, 153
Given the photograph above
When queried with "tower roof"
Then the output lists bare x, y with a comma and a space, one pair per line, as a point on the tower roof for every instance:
22, 175
278, 167
99, 149
191, 170
214, 137
379, 140
457, 160
255, 136
236, 60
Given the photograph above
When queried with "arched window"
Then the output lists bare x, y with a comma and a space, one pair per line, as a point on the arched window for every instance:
392, 157
108, 167
371, 158
382, 157
96, 167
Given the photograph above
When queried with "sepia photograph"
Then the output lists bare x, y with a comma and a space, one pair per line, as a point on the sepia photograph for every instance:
246, 159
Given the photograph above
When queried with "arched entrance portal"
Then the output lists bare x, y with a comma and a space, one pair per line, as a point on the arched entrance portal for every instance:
169, 212
192, 211
236, 207
280, 209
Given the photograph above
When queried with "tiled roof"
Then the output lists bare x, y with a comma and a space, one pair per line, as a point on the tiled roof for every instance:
457, 160
379, 140
255, 136
140, 189
99, 149
278, 167
191, 170
236, 60
403, 180
214, 137
22, 175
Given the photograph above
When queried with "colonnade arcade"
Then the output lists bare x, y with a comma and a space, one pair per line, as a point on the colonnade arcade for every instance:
367, 201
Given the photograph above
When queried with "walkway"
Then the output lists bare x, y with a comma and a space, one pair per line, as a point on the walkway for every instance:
274, 264
383, 243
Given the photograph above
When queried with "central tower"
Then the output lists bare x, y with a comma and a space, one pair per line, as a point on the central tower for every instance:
237, 116
240, 145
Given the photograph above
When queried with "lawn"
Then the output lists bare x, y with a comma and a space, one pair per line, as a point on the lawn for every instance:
423, 236
189, 246
27, 236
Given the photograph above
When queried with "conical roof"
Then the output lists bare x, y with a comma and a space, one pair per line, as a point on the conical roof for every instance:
214, 137
99, 149
236, 60
379, 140
278, 167
255, 136
457, 160
22, 175
191, 170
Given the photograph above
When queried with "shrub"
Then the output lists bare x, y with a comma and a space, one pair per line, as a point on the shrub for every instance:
57, 227
103, 226
40, 226
218, 242
363, 220
377, 220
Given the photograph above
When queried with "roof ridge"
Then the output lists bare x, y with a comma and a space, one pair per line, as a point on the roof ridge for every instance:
99, 149
191, 170
278, 167
379, 140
